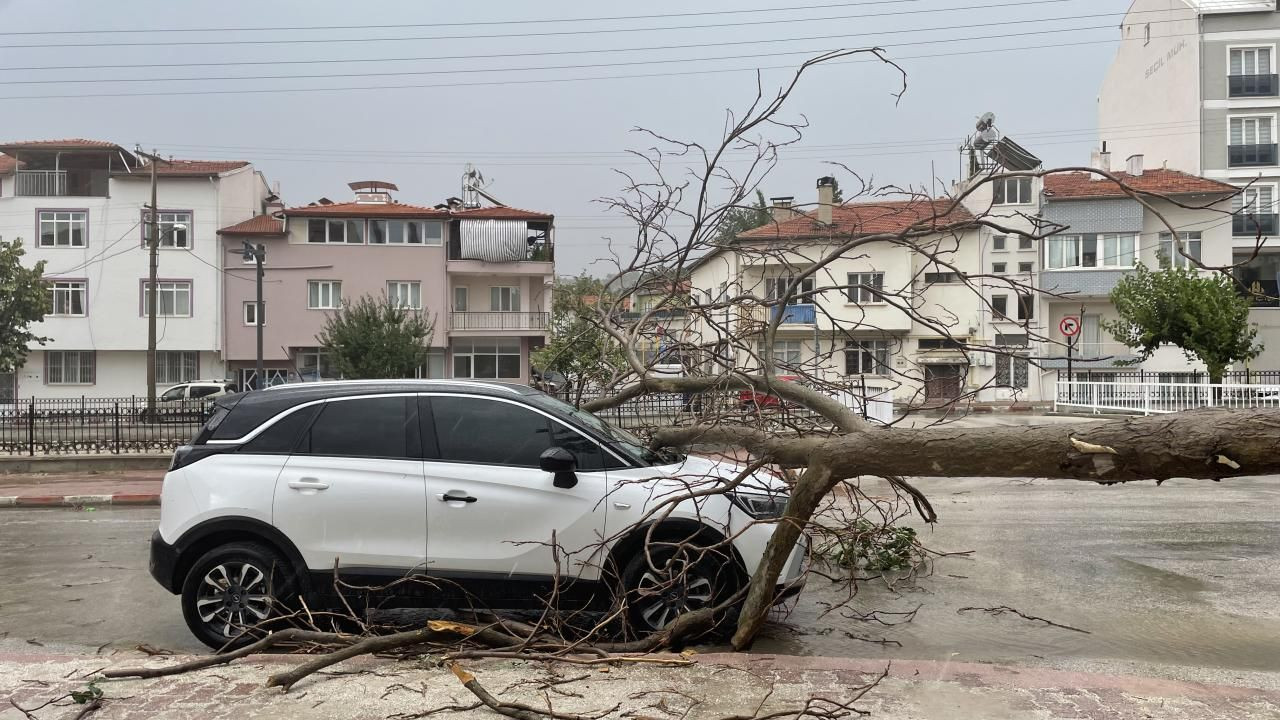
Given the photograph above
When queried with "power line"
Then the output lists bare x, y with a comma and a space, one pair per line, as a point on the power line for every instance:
525, 34
532, 81
526, 21
613, 64
315, 61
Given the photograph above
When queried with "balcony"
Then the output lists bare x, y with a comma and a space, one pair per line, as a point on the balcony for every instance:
800, 314
1251, 155
1252, 85
41, 183
491, 321
1251, 225
1081, 282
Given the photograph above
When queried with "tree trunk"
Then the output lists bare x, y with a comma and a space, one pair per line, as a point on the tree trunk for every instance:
1208, 444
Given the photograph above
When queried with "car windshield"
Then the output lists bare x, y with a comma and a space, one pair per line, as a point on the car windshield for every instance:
619, 439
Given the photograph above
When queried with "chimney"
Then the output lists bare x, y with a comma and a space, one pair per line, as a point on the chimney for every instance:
826, 198
1135, 165
781, 208
273, 205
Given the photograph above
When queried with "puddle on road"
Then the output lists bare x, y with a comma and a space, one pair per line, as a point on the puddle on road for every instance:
1155, 634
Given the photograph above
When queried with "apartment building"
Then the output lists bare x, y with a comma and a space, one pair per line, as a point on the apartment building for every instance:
80, 206
483, 275
976, 310
1194, 86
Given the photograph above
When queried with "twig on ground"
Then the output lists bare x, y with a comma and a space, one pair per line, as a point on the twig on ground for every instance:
519, 711
1002, 609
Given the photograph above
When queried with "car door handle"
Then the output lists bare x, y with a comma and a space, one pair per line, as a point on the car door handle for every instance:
450, 497
308, 484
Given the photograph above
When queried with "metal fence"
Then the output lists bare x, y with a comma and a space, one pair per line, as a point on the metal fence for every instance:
647, 412
71, 426
1232, 377
1151, 398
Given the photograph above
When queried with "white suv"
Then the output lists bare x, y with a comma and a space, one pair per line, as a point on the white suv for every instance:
462, 482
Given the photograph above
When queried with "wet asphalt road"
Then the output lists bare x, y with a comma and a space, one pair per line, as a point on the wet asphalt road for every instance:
1185, 575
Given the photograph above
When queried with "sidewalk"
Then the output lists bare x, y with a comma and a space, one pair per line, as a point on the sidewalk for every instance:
715, 686
123, 487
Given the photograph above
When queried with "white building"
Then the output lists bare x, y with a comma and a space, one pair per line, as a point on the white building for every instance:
1194, 86
79, 205
976, 315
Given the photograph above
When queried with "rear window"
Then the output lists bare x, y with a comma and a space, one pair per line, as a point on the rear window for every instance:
211, 425
282, 436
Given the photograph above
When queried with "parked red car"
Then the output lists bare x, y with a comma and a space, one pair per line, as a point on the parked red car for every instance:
753, 399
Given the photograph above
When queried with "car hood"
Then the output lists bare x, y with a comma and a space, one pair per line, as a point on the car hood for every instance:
695, 467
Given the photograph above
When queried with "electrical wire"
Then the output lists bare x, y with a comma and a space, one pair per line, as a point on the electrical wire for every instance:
534, 81
526, 34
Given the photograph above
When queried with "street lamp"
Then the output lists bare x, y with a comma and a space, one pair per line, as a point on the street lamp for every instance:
256, 254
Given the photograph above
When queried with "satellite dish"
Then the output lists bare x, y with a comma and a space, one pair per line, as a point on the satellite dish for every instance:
986, 122
985, 138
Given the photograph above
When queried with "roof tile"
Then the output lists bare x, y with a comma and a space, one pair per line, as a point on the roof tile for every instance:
193, 168
1160, 180
354, 209
256, 225
65, 143
499, 213
865, 218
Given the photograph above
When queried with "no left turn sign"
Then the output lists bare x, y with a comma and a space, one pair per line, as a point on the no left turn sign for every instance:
1070, 325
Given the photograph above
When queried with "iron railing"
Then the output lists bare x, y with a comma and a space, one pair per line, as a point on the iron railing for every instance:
1153, 397
41, 183
73, 426
498, 320
1251, 85
1250, 225
1249, 155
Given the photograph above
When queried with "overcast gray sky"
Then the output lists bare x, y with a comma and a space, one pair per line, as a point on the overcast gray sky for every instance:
547, 139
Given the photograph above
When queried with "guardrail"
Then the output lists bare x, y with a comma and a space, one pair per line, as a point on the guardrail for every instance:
73, 426
1153, 398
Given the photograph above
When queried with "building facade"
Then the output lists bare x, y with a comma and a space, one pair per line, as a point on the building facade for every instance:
970, 310
482, 275
1194, 86
80, 206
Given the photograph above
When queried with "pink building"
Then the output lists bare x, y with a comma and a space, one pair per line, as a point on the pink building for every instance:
483, 274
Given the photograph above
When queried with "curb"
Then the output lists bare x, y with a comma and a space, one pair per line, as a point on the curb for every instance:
47, 501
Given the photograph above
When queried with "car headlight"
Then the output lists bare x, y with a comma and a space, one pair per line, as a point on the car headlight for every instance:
760, 505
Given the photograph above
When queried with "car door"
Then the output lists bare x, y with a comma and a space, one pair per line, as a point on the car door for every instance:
352, 492
491, 511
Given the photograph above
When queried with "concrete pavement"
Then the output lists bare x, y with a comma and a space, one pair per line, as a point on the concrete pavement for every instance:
715, 686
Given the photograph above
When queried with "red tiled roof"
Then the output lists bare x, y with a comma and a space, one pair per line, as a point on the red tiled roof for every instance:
7, 164
1161, 180
499, 213
66, 144
354, 209
865, 218
256, 225
192, 168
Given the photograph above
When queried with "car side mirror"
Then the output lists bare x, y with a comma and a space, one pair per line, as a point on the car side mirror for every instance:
561, 462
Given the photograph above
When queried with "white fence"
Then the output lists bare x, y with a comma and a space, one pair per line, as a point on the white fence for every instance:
1148, 398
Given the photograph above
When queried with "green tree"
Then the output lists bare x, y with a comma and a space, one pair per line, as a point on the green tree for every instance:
577, 346
741, 219
1202, 314
377, 338
24, 299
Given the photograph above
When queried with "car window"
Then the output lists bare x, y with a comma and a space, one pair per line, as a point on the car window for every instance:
199, 391
282, 436
175, 393
585, 451
479, 430
362, 427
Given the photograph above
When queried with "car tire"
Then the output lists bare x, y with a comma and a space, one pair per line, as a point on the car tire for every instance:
695, 578
231, 593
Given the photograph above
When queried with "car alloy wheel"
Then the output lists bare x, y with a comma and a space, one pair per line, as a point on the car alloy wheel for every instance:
233, 596
664, 595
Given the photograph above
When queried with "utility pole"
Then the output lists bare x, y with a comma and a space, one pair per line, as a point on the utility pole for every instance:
258, 254
153, 252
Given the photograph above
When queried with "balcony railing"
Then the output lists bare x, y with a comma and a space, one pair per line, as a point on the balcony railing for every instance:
801, 314
1251, 225
1252, 85
1248, 155
41, 183
498, 320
